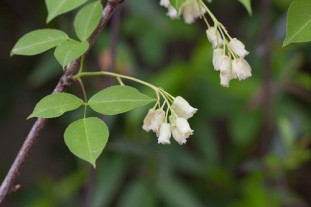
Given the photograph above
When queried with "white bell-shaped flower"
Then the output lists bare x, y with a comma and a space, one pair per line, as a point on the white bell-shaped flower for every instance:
238, 47
165, 133
241, 69
182, 108
165, 3
183, 127
177, 135
214, 37
153, 120
179, 138
171, 12
225, 63
225, 78
191, 10
217, 54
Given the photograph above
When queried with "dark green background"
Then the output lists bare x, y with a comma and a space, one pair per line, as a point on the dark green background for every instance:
221, 165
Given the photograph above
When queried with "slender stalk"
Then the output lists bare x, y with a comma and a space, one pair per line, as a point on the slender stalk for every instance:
84, 96
86, 74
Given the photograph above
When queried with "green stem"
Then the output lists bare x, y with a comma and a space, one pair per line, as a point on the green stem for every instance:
209, 12
84, 96
82, 63
83, 74
216, 22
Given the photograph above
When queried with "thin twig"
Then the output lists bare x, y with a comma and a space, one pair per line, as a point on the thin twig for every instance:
65, 81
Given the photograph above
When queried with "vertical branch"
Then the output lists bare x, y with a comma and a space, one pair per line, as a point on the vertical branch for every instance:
66, 80
266, 68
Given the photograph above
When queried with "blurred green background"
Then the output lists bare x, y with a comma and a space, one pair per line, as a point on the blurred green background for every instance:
231, 160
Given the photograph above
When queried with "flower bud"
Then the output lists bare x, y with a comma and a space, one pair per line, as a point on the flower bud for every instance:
153, 120
165, 134
214, 37
238, 47
241, 69
217, 54
183, 127
182, 108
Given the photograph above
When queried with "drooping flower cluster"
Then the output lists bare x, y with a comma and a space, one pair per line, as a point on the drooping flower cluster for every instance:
156, 120
228, 57
190, 10
228, 54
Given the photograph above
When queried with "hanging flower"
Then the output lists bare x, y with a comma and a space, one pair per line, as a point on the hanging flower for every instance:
238, 47
183, 127
241, 69
182, 108
165, 134
190, 10
217, 54
153, 120
177, 135
214, 37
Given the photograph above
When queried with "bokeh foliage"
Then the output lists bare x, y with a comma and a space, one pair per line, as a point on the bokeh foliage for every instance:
220, 165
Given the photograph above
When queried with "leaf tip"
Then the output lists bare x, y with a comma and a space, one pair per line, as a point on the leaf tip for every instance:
285, 43
30, 116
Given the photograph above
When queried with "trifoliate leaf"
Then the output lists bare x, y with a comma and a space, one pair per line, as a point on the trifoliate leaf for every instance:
87, 20
86, 138
38, 41
57, 7
69, 51
118, 99
298, 22
55, 105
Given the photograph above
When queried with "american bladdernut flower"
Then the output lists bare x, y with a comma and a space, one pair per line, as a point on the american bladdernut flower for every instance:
190, 10
225, 64
238, 47
177, 135
165, 133
217, 54
225, 78
183, 127
241, 69
214, 37
153, 120
182, 108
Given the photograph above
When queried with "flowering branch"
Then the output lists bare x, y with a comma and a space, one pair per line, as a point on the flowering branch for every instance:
65, 81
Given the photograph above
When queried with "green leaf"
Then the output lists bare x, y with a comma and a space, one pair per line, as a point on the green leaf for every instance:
86, 138
247, 5
55, 105
57, 7
87, 20
38, 41
118, 99
298, 22
177, 4
69, 51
